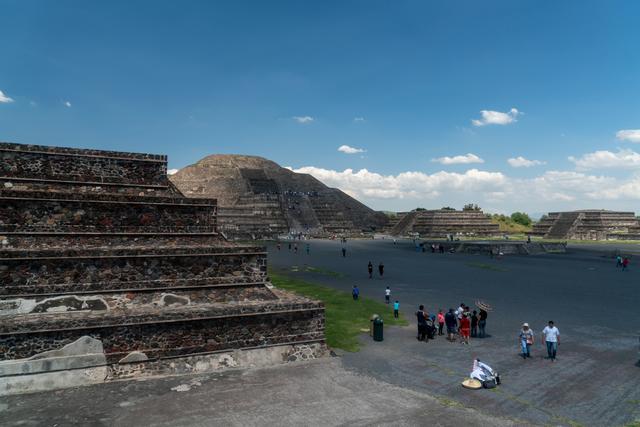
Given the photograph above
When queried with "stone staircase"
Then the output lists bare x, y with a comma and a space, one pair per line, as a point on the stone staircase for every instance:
99, 244
405, 225
561, 228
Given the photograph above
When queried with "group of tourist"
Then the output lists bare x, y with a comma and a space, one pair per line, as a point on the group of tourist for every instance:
622, 263
380, 269
461, 322
294, 247
551, 336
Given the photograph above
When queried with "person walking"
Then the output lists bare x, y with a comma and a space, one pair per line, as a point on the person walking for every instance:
552, 339
396, 309
295, 248
618, 261
421, 318
387, 295
355, 292
482, 323
474, 324
289, 246
465, 328
344, 252
440, 322
625, 263
278, 245
451, 322
307, 248
381, 269
370, 269
526, 340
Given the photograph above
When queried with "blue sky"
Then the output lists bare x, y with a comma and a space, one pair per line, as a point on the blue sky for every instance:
295, 80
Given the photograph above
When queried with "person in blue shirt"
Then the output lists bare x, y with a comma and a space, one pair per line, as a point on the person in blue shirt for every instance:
355, 292
396, 309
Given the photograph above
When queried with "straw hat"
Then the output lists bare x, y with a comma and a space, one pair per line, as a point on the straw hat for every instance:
482, 305
472, 384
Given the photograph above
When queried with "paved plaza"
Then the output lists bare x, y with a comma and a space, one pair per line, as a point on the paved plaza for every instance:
595, 306
401, 381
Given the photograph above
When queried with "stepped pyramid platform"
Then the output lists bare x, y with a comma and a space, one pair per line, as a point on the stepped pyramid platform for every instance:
108, 271
441, 223
588, 225
260, 199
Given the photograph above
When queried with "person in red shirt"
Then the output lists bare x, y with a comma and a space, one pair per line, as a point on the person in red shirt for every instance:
465, 328
440, 322
625, 263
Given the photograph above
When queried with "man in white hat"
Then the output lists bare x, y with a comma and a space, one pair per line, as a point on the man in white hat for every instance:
526, 340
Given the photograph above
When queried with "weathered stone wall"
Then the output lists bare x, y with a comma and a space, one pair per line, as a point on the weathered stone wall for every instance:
164, 339
41, 163
55, 272
64, 213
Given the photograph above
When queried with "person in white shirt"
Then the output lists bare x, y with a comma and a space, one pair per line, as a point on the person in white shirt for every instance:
387, 295
551, 336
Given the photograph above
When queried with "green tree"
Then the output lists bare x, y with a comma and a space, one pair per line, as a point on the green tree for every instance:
521, 218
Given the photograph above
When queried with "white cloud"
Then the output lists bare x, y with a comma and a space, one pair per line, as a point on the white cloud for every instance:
67, 104
459, 160
4, 99
521, 162
623, 159
496, 117
350, 150
359, 119
172, 171
303, 119
415, 185
493, 191
632, 135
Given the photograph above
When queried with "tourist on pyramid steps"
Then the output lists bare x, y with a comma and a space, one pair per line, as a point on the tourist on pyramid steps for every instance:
465, 328
526, 340
387, 295
396, 309
451, 322
355, 292
381, 269
421, 318
625, 263
552, 339
440, 322
474, 324
482, 323
370, 269
618, 261
307, 248
344, 252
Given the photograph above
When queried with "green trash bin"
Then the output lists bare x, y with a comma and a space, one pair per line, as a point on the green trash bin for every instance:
377, 329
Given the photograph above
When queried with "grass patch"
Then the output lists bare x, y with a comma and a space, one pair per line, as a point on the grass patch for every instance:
345, 318
486, 266
323, 271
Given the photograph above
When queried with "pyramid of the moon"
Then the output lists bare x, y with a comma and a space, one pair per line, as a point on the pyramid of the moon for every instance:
258, 198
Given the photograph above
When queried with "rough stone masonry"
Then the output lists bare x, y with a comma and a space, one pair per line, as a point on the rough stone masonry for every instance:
107, 270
